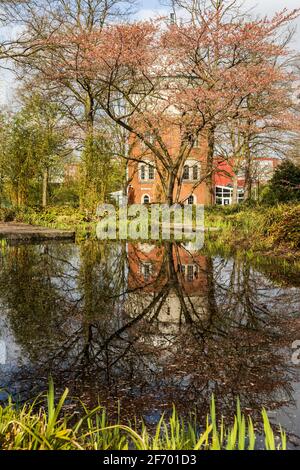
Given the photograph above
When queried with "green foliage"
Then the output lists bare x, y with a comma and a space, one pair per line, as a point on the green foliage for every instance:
259, 227
285, 229
285, 184
46, 425
101, 173
65, 194
34, 151
267, 196
7, 214
32, 143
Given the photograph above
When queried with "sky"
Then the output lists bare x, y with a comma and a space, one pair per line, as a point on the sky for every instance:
150, 8
258, 7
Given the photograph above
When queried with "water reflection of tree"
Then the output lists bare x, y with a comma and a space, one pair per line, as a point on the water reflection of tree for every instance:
32, 285
102, 328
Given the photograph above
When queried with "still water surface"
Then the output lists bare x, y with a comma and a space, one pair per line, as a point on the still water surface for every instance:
151, 326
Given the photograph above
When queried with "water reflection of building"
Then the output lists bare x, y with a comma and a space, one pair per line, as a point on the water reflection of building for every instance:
170, 282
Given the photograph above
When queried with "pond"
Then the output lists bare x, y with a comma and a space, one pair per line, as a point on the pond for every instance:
149, 326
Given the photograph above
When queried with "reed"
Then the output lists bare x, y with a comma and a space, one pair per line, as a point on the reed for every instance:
45, 424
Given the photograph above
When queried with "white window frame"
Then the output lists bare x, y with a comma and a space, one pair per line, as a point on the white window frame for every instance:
190, 164
185, 270
143, 197
194, 200
186, 168
240, 195
146, 165
143, 265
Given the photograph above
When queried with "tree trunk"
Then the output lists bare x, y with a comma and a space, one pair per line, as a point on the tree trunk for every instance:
171, 185
248, 172
86, 190
45, 188
211, 290
210, 164
235, 188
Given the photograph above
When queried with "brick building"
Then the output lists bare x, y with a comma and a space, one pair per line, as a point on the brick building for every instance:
145, 182
149, 273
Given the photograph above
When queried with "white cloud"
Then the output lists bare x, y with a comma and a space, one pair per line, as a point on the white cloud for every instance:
7, 86
270, 7
146, 13
152, 8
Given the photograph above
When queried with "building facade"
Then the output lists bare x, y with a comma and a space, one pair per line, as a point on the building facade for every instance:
144, 177
145, 185
224, 179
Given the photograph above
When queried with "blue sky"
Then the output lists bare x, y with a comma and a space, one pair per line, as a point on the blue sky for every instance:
148, 8
262, 6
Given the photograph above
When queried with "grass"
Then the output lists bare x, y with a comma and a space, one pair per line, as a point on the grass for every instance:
264, 229
46, 424
274, 229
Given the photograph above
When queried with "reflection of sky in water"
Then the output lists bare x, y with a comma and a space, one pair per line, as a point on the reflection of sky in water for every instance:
266, 291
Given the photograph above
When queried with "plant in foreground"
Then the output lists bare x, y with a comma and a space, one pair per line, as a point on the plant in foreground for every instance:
37, 426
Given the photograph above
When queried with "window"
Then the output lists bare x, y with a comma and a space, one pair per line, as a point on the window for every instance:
224, 195
146, 270
191, 139
146, 171
195, 173
146, 199
191, 171
241, 195
151, 172
186, 172
181, 269
190, 273
196, 142
150, 138
143, 172
190, 199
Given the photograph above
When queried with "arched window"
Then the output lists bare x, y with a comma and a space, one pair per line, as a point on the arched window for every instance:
195, 172
151, 172
143, 172
191, 199
191, 171
146, 199
186, 172
196, 142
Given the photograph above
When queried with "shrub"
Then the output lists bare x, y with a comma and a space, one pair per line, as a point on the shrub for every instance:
66, 194
285, 184
7, 214
286, 228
